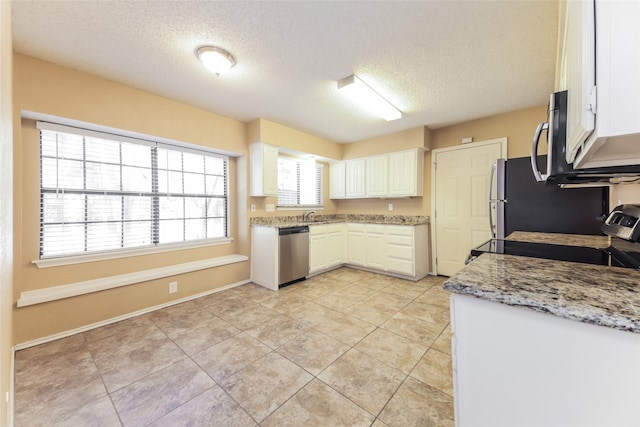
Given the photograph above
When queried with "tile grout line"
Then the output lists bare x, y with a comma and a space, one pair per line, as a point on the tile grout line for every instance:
309, 299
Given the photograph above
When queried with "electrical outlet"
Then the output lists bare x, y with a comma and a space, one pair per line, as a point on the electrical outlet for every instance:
390, 206
253, 207
173, 287
270, 207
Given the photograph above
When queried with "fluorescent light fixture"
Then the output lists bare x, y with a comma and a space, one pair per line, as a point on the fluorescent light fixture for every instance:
362, 94
216, 60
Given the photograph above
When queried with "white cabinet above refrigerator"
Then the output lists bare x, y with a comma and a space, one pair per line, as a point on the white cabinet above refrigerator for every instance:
599, 65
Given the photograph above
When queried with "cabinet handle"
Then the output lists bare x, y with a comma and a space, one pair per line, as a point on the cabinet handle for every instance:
540, 177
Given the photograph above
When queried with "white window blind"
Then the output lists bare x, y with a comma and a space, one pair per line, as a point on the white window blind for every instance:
101, 193
299, 183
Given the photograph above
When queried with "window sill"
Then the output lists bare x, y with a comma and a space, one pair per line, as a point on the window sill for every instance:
55, 293
80, 259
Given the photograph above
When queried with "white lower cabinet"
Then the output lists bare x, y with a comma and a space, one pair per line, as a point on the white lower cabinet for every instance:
357, 245
326, 244
400, 257
264, 256
335, 245
317, 248
517, 367
375, 247
400, 250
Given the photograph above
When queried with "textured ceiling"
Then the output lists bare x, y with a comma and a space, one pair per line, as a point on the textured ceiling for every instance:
439, 62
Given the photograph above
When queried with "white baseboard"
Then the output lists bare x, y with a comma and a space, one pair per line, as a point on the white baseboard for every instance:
11, 393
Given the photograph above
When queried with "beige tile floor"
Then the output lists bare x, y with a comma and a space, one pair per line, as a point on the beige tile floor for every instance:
346, 348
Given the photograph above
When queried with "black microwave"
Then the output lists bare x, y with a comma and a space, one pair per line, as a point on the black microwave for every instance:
558, 171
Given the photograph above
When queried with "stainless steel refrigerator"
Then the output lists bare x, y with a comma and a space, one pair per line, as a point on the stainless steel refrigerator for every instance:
517, 202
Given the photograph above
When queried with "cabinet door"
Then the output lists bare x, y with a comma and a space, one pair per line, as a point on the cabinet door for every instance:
377, 173
615, 139
577, 71
355, 178
264, 170
337, 180
375, 246
334, 248
270, 170
357, 246
406, 173
317, 249
336, 244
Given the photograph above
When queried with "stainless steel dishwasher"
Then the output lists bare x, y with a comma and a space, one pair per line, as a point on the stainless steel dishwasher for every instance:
294, 254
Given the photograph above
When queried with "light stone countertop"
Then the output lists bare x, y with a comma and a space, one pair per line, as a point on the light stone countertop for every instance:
319, 219
600, 295
599, 242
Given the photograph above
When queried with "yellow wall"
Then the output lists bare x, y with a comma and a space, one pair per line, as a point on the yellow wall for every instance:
45, 88
518, 126
624, 193
6, 217
419, 137
261, 130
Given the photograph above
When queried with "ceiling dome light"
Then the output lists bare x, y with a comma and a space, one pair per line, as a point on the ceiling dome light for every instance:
216, 60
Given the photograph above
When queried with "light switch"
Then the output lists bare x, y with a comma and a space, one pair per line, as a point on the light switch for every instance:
253, 207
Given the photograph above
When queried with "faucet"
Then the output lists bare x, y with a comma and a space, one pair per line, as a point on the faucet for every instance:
306, 215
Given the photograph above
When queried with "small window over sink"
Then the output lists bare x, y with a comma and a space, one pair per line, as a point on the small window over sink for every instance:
299, 183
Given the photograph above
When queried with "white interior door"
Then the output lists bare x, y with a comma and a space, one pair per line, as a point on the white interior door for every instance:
460, 177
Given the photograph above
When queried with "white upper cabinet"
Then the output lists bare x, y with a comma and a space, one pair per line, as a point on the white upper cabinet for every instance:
356, 178
577, 72
264, 170
377, 171
599, 65
406, 171
337, 180
399, 174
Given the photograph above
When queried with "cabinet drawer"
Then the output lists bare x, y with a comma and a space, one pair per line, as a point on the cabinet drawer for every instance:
356, 227
400, 240
317, 229
335, 228
400, 266
399, 230
400, 252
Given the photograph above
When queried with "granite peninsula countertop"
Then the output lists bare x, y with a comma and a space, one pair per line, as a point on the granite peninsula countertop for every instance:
599, 242
319, 219
600, 295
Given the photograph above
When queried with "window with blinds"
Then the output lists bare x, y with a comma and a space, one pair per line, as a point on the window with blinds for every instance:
299, 183
101, 192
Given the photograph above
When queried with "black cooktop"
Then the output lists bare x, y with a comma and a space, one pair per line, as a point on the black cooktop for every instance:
609, 256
